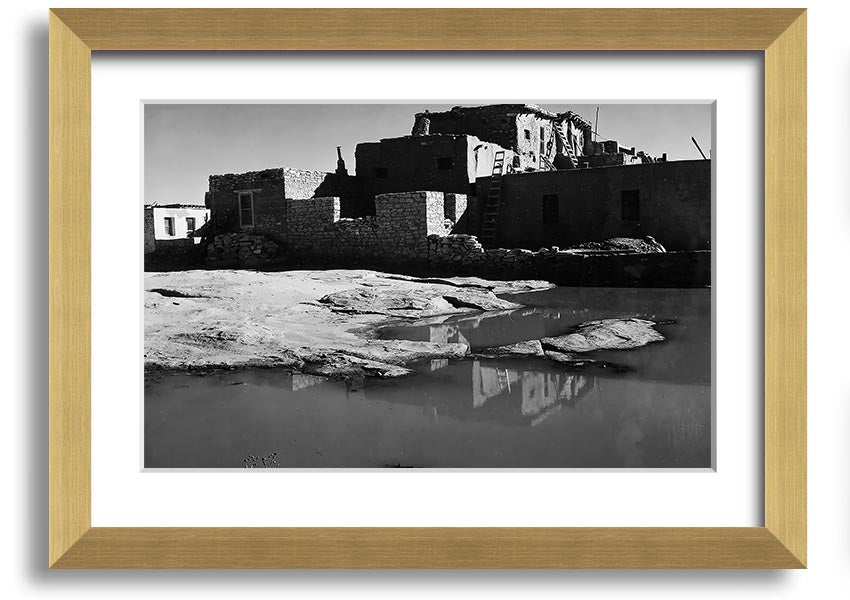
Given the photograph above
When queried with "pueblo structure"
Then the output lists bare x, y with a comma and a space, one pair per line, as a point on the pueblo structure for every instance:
507, 190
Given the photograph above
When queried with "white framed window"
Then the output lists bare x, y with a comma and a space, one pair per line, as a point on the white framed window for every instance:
169, 226
246, 209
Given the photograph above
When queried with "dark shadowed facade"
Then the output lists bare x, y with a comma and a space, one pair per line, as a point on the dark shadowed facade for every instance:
449, 163
670, 201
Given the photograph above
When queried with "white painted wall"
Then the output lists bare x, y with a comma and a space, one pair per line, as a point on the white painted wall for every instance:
24, 513
160, 214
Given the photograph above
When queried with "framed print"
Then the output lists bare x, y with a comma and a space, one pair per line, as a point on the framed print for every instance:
436, 305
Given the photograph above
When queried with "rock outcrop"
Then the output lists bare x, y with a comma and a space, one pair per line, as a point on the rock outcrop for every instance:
314, 322
607, 334
527, 349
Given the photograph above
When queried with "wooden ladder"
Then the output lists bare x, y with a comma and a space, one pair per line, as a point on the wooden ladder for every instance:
568, 147
494, 201
545, 160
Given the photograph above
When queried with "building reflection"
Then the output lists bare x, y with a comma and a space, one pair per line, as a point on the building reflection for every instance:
506, 391
533, 394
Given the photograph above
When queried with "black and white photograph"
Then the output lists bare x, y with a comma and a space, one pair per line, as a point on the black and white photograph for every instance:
519, 284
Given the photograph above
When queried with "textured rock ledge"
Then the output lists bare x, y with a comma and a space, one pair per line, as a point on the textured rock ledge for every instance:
607, 334
572, 348
316, 322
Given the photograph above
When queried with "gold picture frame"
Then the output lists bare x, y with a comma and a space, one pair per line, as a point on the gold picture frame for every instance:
779, 33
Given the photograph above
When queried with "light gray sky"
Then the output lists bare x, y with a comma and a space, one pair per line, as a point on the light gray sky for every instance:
185, 143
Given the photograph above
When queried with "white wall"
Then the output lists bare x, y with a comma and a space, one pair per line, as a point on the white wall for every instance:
24, 575
201, 215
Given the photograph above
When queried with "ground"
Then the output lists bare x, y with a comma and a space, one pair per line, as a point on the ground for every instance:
324, 322
319, 322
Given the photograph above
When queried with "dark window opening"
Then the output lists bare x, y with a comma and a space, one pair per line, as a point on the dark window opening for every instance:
473, 188
630, 201
190, 226
246, 209
382, 172
169, 225
527, 133
445, 162
551, 209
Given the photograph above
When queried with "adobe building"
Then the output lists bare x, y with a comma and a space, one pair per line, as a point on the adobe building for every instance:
520, 179
670, 201
448, 163
541, 140
168, 225
255, 201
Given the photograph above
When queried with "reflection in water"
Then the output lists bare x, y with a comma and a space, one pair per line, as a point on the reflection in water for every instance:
517, 412
530, 391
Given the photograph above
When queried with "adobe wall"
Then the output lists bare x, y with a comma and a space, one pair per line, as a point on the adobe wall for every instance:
268, 188
398, 232
315, 229
405, 221
528, 148
411, 162
493, 124
271, 187
464, 255
455, 211
411, 230
149, 236
674, 205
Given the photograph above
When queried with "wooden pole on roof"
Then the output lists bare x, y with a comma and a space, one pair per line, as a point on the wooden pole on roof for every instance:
596, 125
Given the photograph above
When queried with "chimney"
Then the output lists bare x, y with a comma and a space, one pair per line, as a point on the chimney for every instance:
340, 163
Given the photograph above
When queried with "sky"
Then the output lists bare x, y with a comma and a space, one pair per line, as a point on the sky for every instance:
186, 143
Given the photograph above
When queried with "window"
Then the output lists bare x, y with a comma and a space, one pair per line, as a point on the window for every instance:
169, 226
527, 133
630, 203
445, 162
190, 226
382, 172
246, 209
550, 209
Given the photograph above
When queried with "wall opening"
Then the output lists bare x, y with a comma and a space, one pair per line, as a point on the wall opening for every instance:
551, 209
630, 205
246, 209
445, 162
169, 226
190, 226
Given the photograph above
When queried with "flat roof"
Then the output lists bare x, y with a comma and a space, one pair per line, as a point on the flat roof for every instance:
505, 108
175, 206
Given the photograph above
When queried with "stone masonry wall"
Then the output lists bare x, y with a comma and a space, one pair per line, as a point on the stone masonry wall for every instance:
299, 183
315, 229
406, 219
231, 181
245, 249
397, 233
150, 238
465, 250
464, 255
